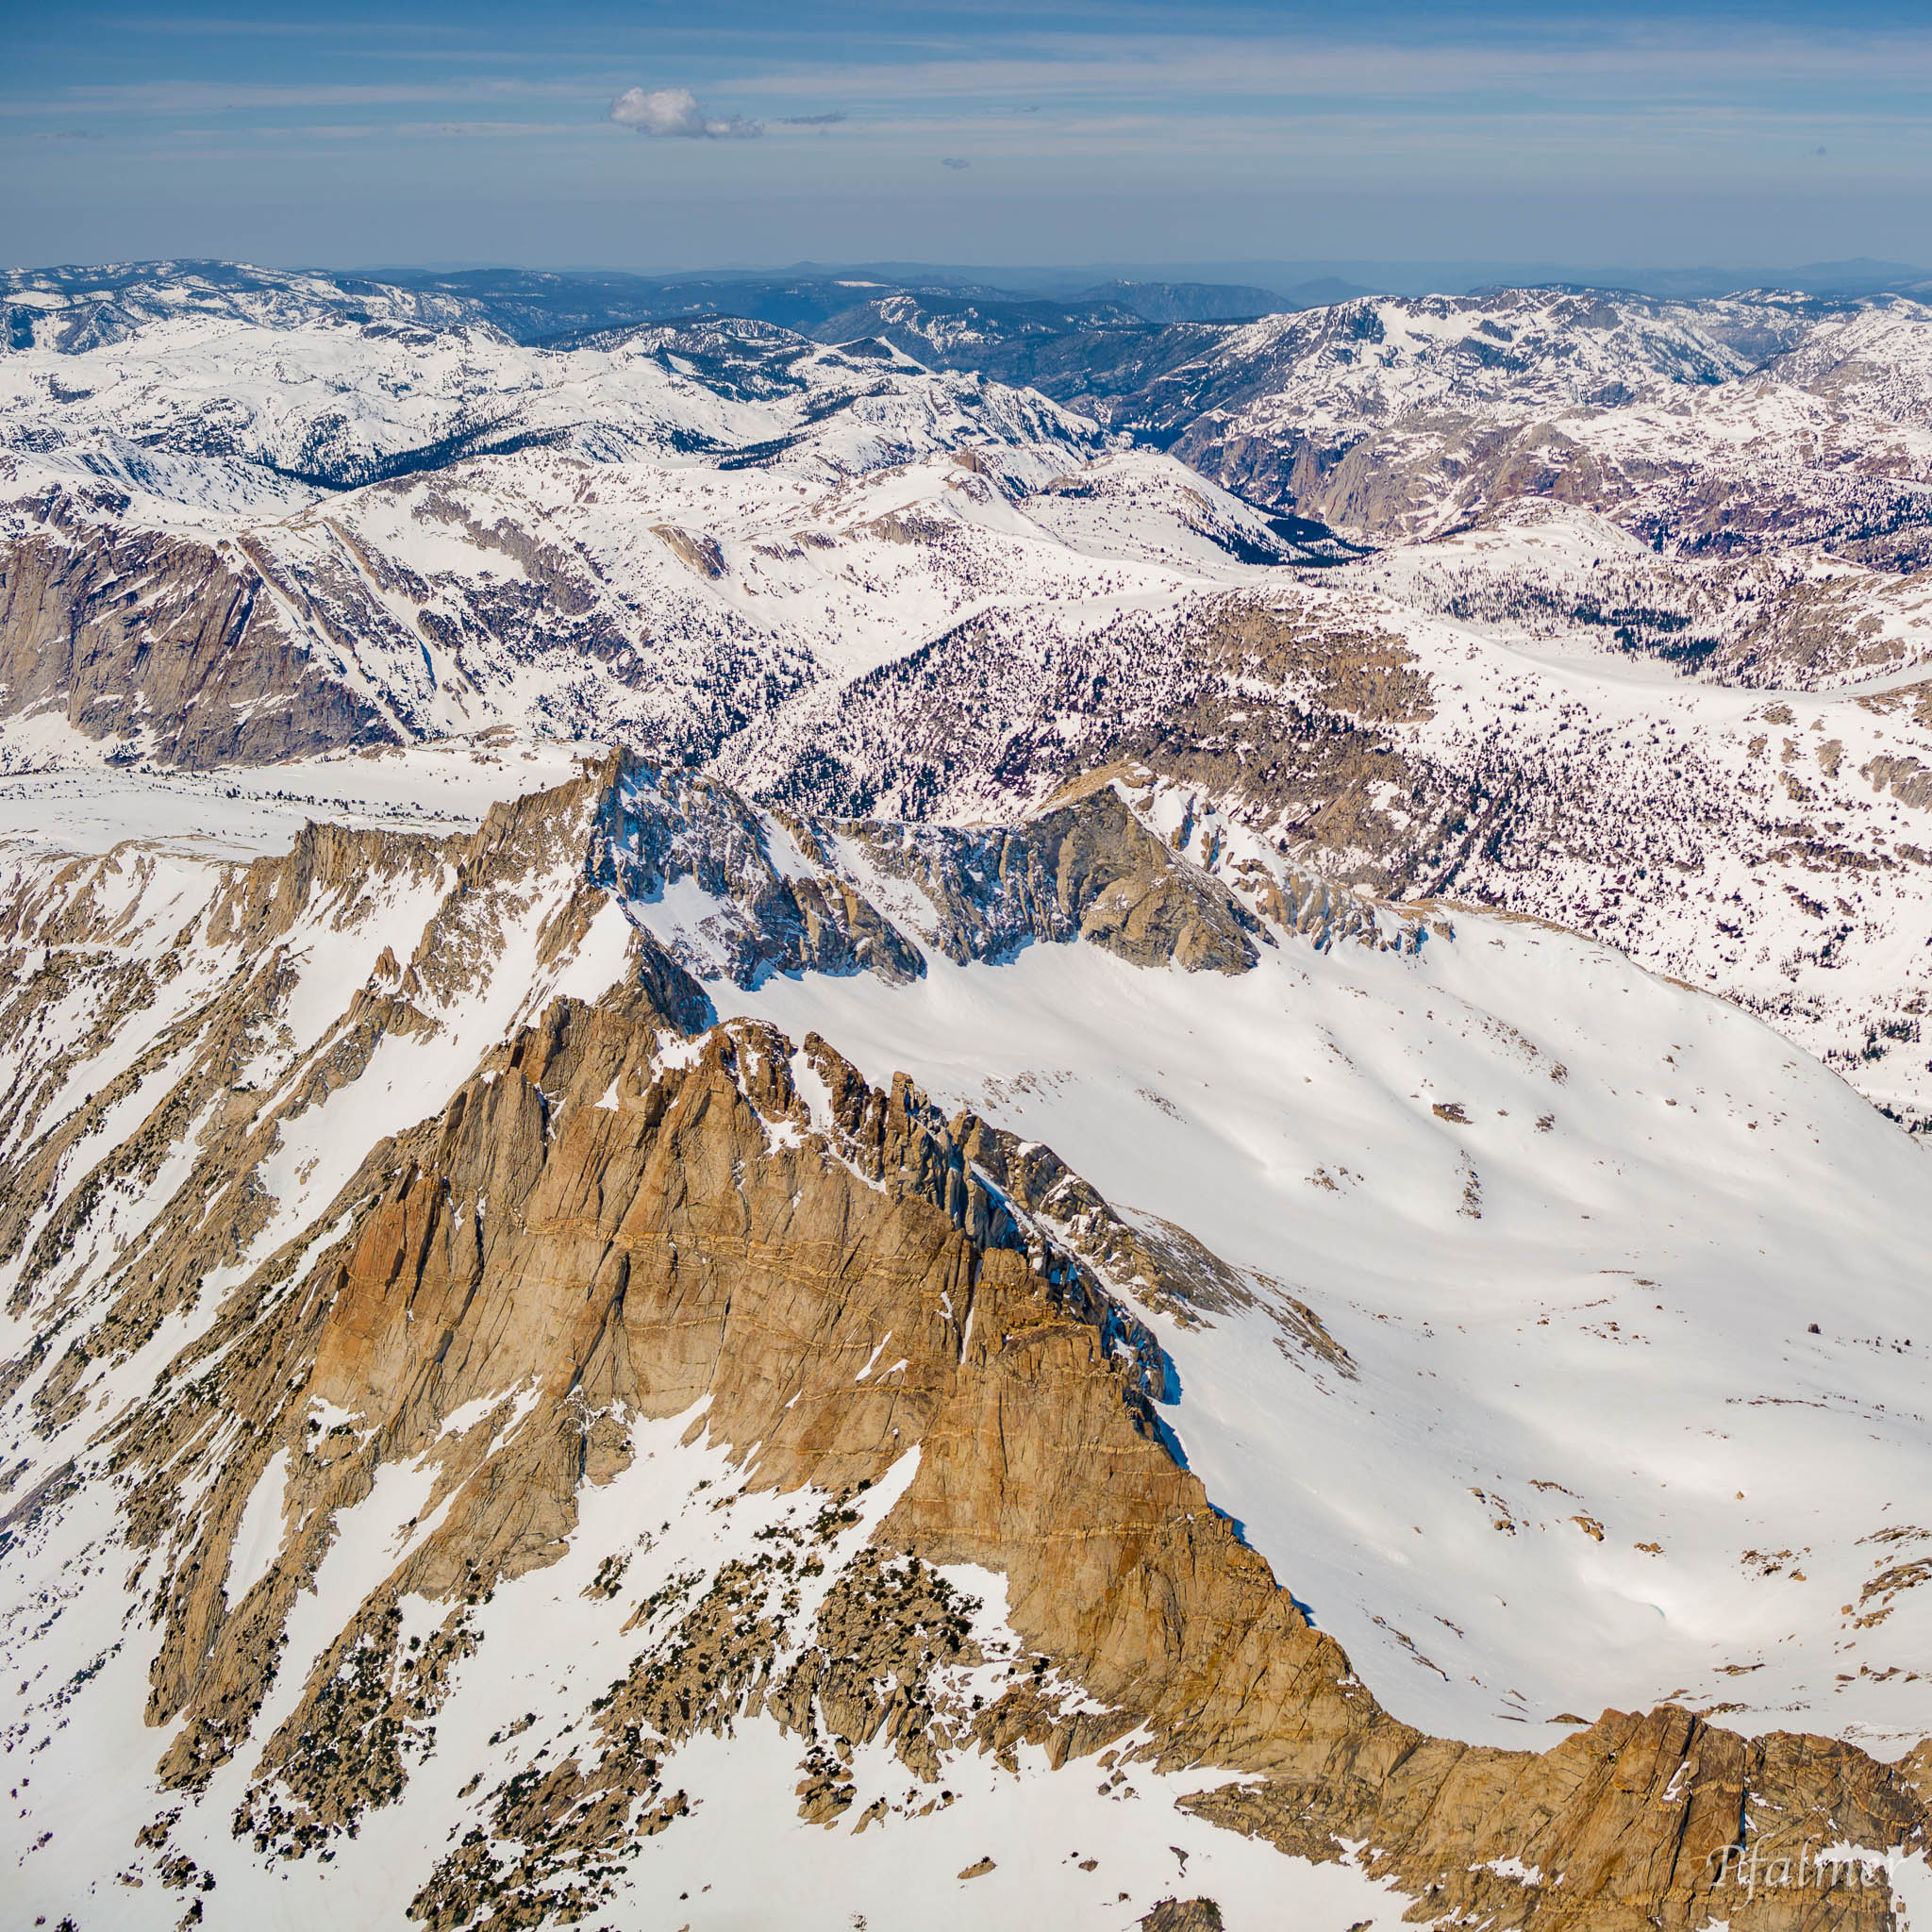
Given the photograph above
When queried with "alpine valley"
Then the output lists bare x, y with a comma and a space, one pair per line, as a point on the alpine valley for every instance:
843, 1102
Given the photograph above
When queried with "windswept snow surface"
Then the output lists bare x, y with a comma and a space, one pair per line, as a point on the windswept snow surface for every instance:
1575, 1225
1061, 1844
248, 811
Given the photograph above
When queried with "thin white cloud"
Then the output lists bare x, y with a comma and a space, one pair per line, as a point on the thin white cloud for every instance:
1603, 63
493, 130
672, 114
166, 97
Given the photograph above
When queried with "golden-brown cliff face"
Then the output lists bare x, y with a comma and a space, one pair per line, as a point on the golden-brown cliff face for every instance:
700, 1242
898, 1337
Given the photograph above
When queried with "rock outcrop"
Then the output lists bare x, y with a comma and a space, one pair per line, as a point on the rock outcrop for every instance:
164, 646
782, 892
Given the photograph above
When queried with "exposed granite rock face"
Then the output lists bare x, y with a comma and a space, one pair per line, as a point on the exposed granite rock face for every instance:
1183, 1915
701, 553
69, 933
172, 648
1088, 870
1636, 1822
657, 829
222, 976
790, 894
1908, 779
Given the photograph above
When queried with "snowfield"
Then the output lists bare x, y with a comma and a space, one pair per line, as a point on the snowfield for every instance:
1626, 1407
1573, 1224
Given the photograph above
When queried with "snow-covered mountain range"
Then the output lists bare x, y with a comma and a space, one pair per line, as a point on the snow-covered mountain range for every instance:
781, 1126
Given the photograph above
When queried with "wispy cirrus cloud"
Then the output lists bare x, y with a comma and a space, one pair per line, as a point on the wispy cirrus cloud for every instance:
672, 114
1597, 63
160, 99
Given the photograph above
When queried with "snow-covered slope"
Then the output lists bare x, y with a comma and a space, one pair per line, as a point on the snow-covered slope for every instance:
674, 532
1769, 846
1877, 359
1740, 425
1326, 371
841, 579
75, 309
181, 407
1560, 579
1548, 1328
1606, 1430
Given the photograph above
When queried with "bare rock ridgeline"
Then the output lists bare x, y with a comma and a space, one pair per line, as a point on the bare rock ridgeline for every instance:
679, 1249
626, 1214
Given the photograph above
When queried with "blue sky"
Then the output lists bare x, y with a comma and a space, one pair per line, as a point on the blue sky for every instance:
1064, 133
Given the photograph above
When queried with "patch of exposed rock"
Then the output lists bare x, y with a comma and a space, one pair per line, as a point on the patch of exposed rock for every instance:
164, 646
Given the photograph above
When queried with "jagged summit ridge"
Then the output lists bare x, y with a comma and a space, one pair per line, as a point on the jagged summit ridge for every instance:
792, 895
380, 1374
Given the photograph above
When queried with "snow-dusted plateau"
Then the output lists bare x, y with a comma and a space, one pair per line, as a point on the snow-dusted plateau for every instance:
963, 1117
